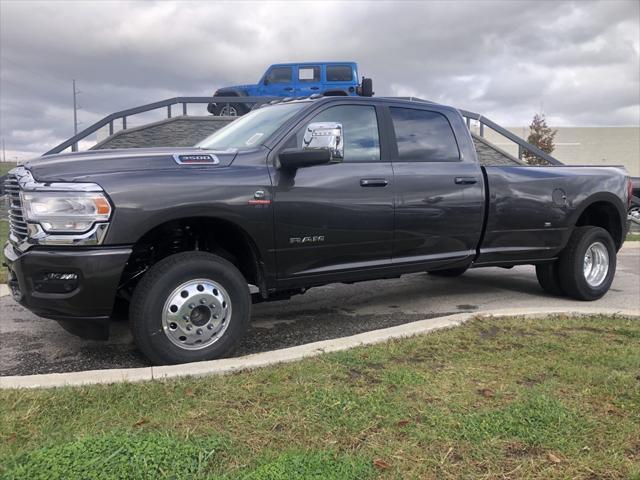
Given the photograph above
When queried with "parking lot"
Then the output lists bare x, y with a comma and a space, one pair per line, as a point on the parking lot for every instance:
32, 345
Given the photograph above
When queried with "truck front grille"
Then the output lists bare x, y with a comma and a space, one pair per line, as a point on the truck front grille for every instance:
17, 224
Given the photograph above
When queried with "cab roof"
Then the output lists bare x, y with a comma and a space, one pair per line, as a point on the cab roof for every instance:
294, 64
317, 98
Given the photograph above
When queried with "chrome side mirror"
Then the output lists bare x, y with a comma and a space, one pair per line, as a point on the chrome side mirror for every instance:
324, 136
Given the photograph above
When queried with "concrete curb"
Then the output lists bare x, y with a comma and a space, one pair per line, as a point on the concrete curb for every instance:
229, 365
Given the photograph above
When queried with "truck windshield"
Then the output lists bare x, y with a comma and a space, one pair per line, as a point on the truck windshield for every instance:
251, 129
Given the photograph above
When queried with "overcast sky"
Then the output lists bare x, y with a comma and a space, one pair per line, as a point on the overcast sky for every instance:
578, 61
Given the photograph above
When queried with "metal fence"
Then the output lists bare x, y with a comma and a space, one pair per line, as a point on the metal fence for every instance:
167, 104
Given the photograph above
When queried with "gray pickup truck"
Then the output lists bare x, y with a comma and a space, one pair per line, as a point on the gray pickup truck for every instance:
291, 196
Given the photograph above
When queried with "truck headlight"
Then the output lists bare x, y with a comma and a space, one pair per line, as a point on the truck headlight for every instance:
65, 212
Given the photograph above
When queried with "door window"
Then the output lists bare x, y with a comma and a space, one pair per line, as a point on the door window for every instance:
423, 136
308, 74
359, 131
279, 75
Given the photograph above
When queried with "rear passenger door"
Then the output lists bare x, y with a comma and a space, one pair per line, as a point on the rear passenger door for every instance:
308, 80
439, 195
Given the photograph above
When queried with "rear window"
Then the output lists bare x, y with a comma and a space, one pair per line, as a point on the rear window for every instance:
280, 75
423, 136
309, 74
339, 73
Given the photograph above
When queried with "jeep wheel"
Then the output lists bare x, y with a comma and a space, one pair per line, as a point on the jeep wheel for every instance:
189, 307
587, 264
231, 110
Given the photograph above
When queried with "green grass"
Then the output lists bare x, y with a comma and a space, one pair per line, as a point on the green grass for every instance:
6, 166
633, 237
552, 398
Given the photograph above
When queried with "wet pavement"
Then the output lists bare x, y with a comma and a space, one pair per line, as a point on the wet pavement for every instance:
30, 345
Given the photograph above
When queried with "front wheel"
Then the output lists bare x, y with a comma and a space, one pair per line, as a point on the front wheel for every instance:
189, 307
587, 264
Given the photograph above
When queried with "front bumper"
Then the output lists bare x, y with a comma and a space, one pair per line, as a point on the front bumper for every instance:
82, 305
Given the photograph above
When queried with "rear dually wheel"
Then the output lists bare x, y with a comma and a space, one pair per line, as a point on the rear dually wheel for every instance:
587, 265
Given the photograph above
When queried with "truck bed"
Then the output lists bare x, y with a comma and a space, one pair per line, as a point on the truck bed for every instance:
531, 210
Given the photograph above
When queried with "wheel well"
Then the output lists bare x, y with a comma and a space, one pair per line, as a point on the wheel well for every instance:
604, 215
335, 93
189, 234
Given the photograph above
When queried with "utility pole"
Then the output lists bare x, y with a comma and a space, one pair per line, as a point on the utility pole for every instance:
76, 92
4, 154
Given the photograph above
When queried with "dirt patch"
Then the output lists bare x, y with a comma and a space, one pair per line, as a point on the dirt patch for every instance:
530, 381
487, 333
520, 450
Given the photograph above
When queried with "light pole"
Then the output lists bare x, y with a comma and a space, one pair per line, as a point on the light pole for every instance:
76, 92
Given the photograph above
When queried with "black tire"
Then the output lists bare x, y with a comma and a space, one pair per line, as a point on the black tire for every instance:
571, 263
549, 278
449, 272
366, 89
160, 282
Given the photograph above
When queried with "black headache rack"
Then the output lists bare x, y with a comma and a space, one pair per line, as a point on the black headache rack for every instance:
121, 117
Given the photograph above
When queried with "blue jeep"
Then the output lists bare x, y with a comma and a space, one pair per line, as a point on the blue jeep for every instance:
296, 80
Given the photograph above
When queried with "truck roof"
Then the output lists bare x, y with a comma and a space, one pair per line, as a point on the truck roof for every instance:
292, 64
329, 99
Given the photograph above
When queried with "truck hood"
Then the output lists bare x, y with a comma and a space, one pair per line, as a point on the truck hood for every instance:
85, 166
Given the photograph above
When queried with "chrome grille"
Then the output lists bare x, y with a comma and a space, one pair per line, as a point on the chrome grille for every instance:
17, 224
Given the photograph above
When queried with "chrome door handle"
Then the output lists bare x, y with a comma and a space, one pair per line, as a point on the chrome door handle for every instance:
465, 180
374, 182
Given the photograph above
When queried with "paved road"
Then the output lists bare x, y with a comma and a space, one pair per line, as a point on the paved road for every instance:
31, 345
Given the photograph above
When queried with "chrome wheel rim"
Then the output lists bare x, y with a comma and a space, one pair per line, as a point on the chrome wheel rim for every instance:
228, 111
196, 314
596, 264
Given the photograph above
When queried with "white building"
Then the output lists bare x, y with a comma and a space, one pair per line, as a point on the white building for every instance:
586, 145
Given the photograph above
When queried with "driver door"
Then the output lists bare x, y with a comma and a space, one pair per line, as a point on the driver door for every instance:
279, 82
335, 218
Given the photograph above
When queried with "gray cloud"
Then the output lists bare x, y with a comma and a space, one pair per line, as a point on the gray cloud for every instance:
580, 60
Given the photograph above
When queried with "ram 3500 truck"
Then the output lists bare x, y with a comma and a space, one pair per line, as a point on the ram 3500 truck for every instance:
291, 196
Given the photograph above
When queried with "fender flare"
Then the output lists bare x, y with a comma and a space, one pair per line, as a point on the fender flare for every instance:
259, 256
600, 197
